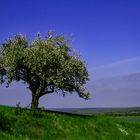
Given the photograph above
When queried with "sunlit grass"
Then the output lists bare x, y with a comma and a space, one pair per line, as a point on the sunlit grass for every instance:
57, 126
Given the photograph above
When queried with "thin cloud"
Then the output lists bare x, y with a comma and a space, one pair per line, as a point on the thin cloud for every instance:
125, 61
122, 67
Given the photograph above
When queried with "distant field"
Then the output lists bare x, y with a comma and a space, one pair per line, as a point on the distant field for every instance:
100, 111
16, 124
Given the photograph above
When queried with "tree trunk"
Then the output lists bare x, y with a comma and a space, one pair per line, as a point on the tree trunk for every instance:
35, 101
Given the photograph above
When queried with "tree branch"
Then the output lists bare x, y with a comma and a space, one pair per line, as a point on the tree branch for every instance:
47, 91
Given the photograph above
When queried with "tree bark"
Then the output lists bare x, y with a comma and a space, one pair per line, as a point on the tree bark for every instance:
35, 101
36, 95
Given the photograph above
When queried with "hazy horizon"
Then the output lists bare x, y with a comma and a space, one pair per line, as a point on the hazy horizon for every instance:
103, 92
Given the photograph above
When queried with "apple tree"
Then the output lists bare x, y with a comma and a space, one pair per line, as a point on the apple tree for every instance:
47, 65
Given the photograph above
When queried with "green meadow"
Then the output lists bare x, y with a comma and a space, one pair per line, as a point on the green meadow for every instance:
16, 124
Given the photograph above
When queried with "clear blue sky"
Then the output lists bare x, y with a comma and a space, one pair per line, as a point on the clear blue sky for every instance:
104, 32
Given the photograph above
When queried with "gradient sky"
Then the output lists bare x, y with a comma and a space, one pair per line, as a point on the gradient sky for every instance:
103, 31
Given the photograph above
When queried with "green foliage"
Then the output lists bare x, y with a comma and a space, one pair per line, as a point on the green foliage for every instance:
65, 127
5, 122
46, 65
37, 112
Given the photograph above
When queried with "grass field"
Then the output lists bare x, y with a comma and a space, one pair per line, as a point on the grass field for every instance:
27, 125
134, 111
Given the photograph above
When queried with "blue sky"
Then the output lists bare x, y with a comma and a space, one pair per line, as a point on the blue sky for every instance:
104, 31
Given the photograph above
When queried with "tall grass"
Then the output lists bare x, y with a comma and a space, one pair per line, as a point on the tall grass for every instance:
57, 126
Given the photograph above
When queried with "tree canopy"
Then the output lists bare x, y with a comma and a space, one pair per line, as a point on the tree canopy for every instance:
46, 65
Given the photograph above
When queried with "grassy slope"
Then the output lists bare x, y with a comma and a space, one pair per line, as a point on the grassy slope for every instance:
57, 126
134, 111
